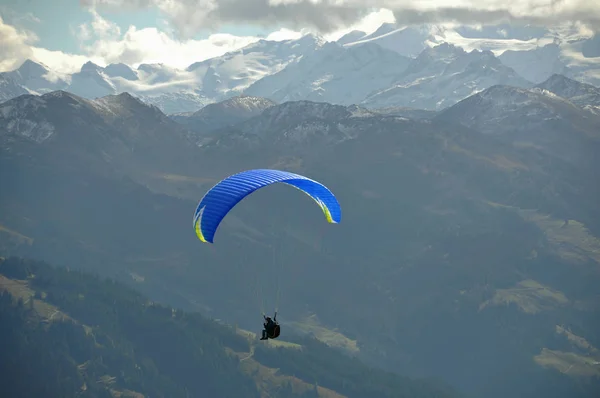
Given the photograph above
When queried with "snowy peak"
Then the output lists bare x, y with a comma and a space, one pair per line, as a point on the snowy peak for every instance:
581, 94
246, 104
538, 64
31, 70
61, 114
35, 118
125, 104
434, 59
444, 52
333, 73
384, 29
500, 108
528, 118
9, 88
91, 82
311, 40
296, 125
351, 37
443, 75
90, 67
407, 41
515, 97
293, 110
584, 94
225, 113
120, 70
36, 78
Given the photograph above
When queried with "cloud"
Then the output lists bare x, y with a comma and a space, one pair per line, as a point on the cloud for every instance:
149, 45
191, 16
369, 24
490, 12
18, 45
326, 16
15, 45
103, 39
60, 61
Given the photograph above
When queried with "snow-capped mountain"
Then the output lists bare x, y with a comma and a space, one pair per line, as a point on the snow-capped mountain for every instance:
535, 118
408, 41
581, 94
534, 52
360, 68
443, 75
536, 65
114, 134
172, 90
37, 78
225, 113
565, 54
294, 122
233, 72
35, 117
333, 74
10, 89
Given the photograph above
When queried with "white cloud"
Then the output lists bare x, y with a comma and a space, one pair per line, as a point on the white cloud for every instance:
284, 34
102, 42
60, 61
369, 24
103, 28
15, 46
190, 16
149, 45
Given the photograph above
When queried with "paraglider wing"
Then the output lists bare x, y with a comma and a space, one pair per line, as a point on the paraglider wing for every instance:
221, 198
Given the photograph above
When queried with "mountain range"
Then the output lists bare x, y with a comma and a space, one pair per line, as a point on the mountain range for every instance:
468, 249
427, 67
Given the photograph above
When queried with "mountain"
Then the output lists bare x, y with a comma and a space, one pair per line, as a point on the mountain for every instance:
534, 52
114, 134
407, 41
219, 78
467, 252
443, 75
170, 89
310, 68
233, 72
298, 123
453, 224
333, 74
37, 77
74, 334
541, 120
10, 89
536, 65
581, 94
563, 53
225, 113
351, 37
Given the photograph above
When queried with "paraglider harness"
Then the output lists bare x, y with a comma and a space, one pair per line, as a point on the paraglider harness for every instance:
271, 328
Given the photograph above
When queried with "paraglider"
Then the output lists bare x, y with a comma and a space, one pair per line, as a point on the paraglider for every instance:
226, 194
271, 328
222, 197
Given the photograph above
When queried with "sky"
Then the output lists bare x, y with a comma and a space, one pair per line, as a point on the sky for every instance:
64, 34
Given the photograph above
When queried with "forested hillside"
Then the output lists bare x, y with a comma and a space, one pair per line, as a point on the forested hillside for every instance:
67, 333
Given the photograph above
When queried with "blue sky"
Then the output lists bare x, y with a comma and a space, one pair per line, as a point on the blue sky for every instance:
58, 17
